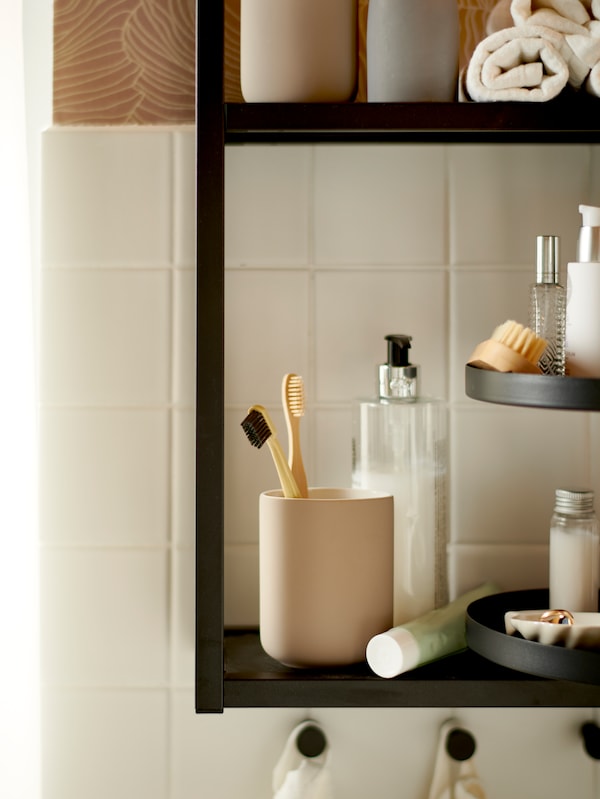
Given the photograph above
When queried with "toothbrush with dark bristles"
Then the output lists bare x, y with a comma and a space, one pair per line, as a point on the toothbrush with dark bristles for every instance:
259, 428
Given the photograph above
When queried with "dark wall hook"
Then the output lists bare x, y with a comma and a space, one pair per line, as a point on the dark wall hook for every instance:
460, 744
311, 741
591, 739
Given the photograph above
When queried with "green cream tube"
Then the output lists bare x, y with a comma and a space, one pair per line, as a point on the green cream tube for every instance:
430, 637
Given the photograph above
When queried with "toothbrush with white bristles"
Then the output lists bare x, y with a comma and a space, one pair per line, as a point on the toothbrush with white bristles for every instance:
259, 428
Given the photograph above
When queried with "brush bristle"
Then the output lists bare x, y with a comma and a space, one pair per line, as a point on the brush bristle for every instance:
295, 394
520, 339
256, 427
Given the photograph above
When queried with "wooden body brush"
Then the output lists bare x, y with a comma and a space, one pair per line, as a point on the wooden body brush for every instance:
512, 348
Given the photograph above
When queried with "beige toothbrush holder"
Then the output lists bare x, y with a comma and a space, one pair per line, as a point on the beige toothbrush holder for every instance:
326, 577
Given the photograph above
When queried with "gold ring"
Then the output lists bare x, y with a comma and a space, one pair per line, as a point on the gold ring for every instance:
557, 617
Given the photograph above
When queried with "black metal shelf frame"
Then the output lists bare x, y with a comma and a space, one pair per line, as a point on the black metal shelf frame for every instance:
232, 670
566, 119
253, 679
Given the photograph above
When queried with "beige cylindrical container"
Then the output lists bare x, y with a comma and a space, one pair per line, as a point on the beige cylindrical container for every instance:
326, 576
294, 51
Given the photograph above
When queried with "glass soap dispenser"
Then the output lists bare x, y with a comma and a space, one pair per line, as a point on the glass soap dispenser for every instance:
547, 306
400, 446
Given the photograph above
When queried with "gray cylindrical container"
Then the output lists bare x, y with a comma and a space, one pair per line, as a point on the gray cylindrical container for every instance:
412, 50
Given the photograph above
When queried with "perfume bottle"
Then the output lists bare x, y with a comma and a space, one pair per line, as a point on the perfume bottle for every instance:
547, 306
400, 446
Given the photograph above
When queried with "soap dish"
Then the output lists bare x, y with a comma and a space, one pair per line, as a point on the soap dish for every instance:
584, 633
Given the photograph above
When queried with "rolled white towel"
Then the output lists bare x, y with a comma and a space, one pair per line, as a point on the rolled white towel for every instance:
564, 16
592, 84
594, 25
522, 64
590, 52
571, 18
581, 54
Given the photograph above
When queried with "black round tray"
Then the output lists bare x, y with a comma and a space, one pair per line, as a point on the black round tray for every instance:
486, 635
535, 391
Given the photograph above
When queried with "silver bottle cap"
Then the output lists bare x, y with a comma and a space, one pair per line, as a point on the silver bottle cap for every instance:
547, 265
588, 245
573, 500
398, 382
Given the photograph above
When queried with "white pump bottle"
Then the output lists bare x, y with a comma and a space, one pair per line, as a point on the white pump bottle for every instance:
583, 300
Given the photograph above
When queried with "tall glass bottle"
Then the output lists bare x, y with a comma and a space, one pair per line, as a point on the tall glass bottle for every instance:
547, 305
400, 446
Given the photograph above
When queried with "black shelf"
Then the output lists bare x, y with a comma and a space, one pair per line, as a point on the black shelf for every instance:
232, 670
466, 679
533, 391
571, 118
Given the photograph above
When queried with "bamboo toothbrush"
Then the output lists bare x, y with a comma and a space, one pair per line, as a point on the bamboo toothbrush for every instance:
292, 396
512, 348
259, 428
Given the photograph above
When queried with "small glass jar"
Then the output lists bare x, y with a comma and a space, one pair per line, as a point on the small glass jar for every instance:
574, 552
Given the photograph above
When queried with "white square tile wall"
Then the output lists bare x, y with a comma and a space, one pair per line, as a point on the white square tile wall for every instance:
327, 249
438, 242
112, 198
117, 391
378, 205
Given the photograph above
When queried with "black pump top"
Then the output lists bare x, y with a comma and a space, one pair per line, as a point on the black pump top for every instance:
398, 347
398, 378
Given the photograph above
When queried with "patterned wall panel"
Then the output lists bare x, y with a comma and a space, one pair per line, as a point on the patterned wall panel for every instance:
124, 61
